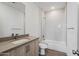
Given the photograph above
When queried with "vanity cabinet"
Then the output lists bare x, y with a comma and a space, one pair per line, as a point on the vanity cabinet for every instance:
34, 48
8, 53
20, 51
28, 49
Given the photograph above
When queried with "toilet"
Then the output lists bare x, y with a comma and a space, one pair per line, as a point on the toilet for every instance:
43, 46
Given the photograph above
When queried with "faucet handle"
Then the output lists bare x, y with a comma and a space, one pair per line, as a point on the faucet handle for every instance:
12, 34
16, 34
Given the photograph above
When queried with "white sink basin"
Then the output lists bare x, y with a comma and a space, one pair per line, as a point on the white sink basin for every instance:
21, 41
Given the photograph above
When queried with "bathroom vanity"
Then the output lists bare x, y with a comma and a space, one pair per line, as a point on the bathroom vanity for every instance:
26, 46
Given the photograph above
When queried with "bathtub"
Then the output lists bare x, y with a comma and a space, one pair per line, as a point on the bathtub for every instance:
56, 45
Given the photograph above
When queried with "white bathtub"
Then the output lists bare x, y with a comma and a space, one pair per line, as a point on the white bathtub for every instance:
56, 45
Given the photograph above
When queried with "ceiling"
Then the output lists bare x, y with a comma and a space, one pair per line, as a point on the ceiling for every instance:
46, 6
18, 5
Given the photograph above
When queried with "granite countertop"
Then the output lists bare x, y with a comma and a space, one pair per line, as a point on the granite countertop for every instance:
7, 45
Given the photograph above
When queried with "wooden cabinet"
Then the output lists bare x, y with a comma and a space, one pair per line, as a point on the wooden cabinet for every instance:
29, 49
34, 48
20, 51
9, 53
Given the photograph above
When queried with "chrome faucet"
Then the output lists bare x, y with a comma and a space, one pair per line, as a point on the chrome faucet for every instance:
14, 36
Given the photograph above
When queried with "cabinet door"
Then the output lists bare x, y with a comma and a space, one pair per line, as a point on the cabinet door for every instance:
23, 50
27, 50
34, 48
12, 52
20, 51
37, 47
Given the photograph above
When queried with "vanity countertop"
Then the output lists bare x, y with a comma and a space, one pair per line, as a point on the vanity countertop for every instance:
7, 45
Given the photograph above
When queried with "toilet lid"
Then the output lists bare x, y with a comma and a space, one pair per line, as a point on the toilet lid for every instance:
43, 45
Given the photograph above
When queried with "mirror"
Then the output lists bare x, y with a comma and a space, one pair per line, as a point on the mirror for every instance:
12, 16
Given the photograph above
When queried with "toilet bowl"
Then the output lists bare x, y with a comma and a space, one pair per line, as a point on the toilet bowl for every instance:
42, 46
